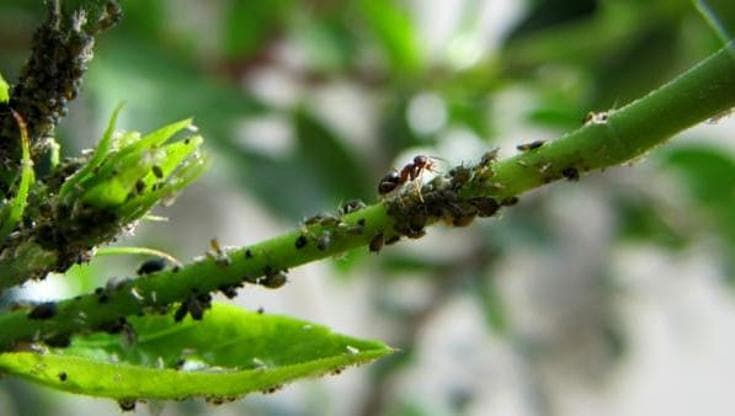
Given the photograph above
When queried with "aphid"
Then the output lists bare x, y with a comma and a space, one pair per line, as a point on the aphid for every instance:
361, 222
157, 171
595, 118
46, 310
301, 242
103, 297
412, 233
571, 173
324, 241
272, 390
261, 310
486, 207
216, 253
460, 175
181, 312
525, 147
248, 254
58, 341
489, 157
62, 376
196, 309
215, 246
352, 206
126, 405
389, 182
230, 291
274, 280
314, 219
152, 266
115, 326
509, 201
331, 221
376, 243
392, 240
463, 220
139, 186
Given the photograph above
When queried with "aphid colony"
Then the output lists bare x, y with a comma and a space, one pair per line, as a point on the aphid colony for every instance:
320, 229
439, 199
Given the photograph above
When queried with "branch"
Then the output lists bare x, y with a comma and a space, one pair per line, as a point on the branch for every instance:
52, 76
456, 198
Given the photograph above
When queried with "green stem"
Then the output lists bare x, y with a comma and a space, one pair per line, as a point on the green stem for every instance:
702, 92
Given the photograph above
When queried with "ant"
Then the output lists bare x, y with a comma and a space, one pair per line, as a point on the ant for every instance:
393, 179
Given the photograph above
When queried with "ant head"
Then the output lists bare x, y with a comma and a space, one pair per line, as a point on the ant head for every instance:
421, 160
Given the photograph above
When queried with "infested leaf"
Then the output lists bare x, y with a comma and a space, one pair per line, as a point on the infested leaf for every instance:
100, 152
230, 353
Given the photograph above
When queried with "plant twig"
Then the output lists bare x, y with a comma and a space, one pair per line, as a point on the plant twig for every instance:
51, 78
620, 136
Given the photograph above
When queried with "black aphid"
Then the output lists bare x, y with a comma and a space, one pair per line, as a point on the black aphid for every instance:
126, 405
571, 173
139, 186
530, 146
230, 291
301, 242
389, 182
273, 279
181, 312
486, 207
152, 266
58, 341
46, 310
196, 309
157, 171
62, 376
376, 243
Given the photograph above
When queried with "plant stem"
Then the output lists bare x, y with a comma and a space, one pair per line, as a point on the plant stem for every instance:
704, 91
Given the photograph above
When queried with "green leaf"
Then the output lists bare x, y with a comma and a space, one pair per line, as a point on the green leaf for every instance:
4, 94
103, 148
13, 211
395, 32
230, 353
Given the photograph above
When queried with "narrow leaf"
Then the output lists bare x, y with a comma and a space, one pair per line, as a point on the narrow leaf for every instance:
230, 353
103, 148
4, 93
13, 211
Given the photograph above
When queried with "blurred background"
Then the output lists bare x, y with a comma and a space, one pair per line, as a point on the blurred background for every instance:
609, 296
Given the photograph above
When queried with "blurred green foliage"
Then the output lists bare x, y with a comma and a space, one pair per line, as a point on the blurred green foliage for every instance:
171, 59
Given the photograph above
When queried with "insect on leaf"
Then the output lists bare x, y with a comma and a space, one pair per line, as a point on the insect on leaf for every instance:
231, 352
